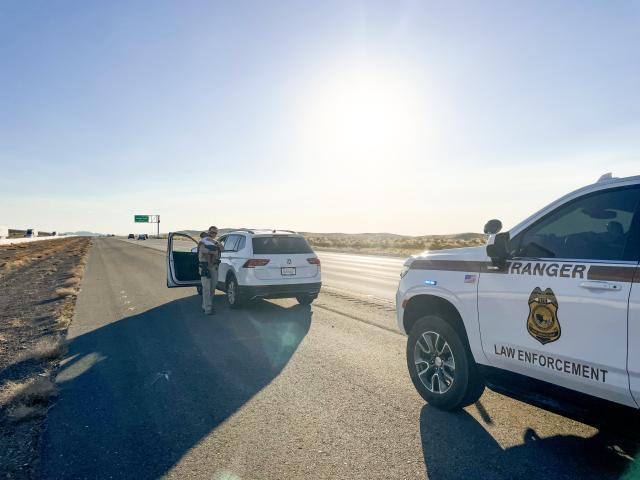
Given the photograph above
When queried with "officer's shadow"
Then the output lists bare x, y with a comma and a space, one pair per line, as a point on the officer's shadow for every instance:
457, 446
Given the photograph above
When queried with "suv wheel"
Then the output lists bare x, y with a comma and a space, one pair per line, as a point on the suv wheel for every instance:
305, 299
233, 293
441, 365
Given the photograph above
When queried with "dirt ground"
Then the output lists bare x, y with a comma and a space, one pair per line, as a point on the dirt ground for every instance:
39, 282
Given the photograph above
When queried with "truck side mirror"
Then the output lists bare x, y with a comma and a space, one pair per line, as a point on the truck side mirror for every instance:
498, 250
492, 226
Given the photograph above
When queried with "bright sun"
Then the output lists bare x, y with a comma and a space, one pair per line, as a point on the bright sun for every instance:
363, 115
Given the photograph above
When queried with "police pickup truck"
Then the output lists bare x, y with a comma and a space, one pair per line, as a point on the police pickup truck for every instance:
548, 312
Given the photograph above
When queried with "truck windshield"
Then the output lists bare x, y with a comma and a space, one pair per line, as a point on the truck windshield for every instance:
280, 245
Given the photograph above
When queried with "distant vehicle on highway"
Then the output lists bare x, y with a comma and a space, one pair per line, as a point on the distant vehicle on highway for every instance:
131, 235
31, 232
143, 236
54, 234
254, 264
548, 312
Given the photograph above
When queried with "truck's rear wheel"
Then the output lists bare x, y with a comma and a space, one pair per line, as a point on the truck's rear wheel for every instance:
441, 366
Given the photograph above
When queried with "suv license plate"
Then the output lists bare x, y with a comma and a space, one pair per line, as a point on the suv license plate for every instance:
288, 270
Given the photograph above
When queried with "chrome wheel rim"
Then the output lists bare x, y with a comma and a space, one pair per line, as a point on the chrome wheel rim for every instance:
435, 364
231, 292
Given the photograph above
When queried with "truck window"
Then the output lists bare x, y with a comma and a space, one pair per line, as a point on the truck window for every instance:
593, 227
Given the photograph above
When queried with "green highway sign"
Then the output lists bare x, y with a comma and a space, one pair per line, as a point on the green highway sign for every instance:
141, 218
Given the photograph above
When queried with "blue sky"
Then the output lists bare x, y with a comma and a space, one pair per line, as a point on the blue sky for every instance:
408, 117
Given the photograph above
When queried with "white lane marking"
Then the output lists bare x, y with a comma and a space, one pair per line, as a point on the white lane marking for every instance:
363, 280
350, 258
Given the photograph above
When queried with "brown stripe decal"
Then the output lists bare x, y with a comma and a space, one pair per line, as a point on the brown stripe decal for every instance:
611, 273
449, 265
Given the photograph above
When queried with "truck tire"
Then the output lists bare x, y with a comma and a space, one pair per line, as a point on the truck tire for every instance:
234, 297
441, 365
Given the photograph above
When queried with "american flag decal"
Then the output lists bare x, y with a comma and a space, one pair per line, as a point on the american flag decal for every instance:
469, 278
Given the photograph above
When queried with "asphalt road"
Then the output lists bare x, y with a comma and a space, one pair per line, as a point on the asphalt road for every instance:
151, 387
373, 276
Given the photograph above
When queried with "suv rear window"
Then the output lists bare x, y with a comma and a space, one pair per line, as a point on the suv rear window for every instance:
280, 245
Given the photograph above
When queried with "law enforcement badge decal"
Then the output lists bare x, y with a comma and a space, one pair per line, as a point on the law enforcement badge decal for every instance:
542, 323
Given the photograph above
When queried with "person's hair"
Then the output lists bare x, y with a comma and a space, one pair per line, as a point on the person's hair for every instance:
203, 234
213, 228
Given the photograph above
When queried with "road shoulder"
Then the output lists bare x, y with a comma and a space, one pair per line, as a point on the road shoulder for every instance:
39, 283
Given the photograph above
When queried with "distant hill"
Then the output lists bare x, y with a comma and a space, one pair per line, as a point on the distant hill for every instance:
196, 233
84, 233
382, 243
391, 243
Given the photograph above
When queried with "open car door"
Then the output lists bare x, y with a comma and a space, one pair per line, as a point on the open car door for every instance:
182, 261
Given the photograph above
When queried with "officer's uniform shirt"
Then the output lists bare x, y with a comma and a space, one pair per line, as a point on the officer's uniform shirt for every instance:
206, 247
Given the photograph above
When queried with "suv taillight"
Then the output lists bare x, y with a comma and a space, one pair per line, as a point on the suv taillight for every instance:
314, 261
255, 262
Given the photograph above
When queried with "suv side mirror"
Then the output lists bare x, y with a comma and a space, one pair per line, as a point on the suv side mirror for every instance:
498, 250
492, 226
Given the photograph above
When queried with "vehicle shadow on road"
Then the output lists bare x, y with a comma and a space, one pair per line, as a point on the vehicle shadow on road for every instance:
137, 394
457, 446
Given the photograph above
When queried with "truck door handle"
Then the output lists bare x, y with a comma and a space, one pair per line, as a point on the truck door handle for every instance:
599, 285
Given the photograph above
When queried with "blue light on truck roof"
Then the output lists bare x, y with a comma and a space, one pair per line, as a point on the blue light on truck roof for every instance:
433, 283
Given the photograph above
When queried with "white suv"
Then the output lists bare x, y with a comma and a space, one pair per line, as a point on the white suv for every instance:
254, 264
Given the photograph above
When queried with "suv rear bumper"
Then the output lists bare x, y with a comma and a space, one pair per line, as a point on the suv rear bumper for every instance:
280, 291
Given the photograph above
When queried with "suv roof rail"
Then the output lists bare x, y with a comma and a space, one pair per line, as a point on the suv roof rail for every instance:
288, 231
605, 177
248, 230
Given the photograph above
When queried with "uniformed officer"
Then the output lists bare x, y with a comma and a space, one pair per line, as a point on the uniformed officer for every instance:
209, 258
